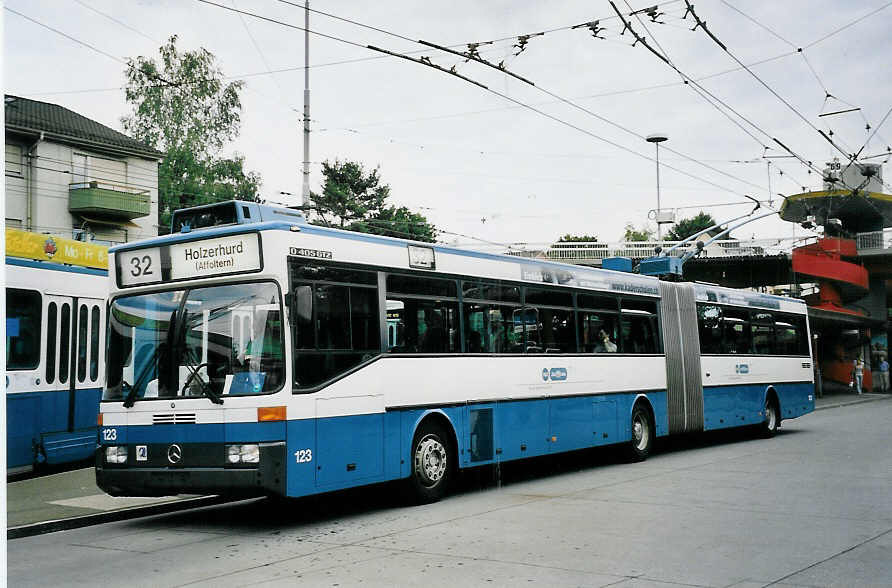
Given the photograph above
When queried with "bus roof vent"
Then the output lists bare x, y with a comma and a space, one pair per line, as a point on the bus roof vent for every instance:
232, 212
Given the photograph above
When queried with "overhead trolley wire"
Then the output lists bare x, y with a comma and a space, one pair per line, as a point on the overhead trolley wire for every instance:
471, 56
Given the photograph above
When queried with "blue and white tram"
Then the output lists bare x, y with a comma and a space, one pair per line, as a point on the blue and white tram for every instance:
261, 354
55, 348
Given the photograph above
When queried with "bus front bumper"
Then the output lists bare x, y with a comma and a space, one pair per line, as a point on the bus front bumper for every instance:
268, 477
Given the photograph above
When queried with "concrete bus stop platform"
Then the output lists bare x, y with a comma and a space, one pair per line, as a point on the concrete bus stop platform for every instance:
70, 500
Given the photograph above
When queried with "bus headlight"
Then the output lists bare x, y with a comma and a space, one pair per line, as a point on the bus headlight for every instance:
248, 453
116, 454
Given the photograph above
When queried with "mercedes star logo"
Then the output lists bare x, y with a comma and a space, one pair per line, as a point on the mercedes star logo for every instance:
174, 454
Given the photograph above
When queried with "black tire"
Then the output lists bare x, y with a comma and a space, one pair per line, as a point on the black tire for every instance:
771, 420
643, 434
433, 463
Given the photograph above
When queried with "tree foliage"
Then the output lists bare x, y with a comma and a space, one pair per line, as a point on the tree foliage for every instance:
182, 107
355, 200
690, 226
568, 238
643, 234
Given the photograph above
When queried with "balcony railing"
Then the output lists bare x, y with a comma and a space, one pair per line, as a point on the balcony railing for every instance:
108, 201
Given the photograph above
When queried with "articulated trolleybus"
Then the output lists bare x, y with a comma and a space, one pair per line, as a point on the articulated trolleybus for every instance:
253, 353
55, 322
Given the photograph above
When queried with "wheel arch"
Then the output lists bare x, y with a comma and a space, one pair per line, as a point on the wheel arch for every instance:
771, 394
440, 418
645, 401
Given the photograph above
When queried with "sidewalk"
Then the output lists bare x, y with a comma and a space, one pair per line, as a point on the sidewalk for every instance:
69, 500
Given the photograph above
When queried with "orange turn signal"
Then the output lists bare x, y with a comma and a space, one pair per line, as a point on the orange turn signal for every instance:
270, 413
99, 419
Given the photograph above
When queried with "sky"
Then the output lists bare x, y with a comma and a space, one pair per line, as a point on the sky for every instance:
511, 162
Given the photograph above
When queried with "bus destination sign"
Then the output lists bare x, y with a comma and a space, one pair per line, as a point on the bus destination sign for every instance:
195, 259
224, 255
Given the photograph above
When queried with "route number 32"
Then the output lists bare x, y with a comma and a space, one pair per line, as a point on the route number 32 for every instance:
303, 455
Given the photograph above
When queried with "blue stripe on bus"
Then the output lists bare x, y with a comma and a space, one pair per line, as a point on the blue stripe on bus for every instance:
340, 452
56, 267
37, 426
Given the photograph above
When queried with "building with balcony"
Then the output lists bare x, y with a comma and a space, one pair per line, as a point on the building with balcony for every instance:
73, 177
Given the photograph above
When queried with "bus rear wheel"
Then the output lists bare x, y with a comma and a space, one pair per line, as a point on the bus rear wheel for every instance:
643, 434
433, 461
771, 421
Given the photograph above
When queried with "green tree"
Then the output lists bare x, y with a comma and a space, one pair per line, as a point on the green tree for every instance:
398, 222
355, 200
633, 234
182, 107
690, 226
568, 238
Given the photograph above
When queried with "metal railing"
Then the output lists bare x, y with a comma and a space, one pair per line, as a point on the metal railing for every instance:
595, 252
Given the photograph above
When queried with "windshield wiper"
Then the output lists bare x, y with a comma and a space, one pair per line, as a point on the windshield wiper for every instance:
195, 374
130, 400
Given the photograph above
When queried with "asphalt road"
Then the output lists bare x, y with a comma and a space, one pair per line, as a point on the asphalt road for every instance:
811, 507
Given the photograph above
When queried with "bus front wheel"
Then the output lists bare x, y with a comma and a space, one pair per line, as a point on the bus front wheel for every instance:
433, 462
642, 434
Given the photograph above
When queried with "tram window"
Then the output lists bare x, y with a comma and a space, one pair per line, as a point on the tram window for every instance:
94, 343
595, 301
51, 318
709, 325
551, 330
737, 335
542, 296
22, 329
598, 331
64, 342
489, 329
426, 326
82, 344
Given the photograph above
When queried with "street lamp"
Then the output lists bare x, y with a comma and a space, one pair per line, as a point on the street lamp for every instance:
656, 139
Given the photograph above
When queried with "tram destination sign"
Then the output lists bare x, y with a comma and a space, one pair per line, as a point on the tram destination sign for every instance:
195, 259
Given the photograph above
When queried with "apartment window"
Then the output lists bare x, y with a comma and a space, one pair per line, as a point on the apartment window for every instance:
14, 163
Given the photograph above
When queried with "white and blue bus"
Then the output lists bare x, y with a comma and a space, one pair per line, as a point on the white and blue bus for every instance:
56, 293
253, 353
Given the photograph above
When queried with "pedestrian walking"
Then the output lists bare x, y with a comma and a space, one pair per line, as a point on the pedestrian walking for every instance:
858, 372
883, 374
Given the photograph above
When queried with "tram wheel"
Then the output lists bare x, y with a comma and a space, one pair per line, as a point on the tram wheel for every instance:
643, 434
433, 462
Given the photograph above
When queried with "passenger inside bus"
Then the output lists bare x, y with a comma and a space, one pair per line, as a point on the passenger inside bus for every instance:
605, 345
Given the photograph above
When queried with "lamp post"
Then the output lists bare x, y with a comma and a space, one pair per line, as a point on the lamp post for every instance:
656, 139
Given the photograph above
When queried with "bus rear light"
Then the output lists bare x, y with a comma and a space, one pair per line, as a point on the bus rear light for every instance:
270, 413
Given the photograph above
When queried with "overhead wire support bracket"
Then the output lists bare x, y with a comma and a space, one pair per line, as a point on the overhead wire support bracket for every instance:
470, 57
702, 24
638, 38
427, 62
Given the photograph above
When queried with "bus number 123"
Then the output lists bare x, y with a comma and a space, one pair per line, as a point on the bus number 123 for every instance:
304, 455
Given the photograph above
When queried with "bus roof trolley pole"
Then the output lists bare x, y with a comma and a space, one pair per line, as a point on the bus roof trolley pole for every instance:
667, 265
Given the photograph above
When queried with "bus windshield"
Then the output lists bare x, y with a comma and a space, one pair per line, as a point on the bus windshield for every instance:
216, 341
